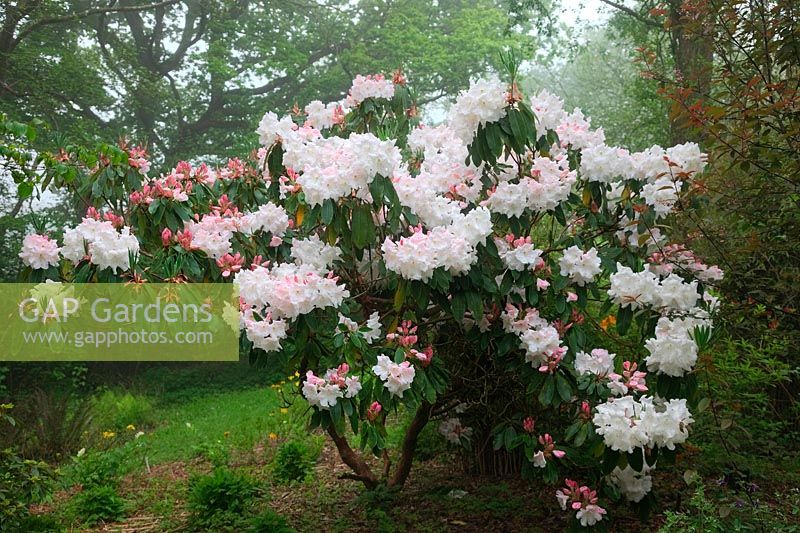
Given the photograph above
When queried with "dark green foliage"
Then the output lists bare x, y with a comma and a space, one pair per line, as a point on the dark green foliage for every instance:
96, 503
22, 481
216, 497
291, 463
116, 410
101, 468
268, 521
40, 524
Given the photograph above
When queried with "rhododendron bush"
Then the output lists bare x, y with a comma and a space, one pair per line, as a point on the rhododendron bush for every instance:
378, 256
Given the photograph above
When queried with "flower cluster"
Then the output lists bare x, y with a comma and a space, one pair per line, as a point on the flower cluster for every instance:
518, 253
599, 362
627, 424
549, 184
641, 289
370, 86
336, 167
581, 267
664, 262
548, 450
539, 339
371, 331
632, 484
454, 431
582, 499
325, 392
288, 290
39, 251
397, 377
452, 248
106, 247
631, 380
484, 102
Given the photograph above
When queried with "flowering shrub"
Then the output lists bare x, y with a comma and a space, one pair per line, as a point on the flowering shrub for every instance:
365, 243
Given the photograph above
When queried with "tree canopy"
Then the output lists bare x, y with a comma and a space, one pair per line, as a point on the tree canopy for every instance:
191, 78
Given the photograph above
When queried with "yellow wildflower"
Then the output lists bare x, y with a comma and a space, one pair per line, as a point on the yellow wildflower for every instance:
273, 436
109, 434
131, 427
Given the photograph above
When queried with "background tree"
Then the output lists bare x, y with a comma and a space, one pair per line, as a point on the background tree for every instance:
191, 78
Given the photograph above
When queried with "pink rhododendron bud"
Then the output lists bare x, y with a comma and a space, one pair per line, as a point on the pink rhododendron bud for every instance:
166, 236
549, 447
586, 411
374, 411
405, 335
630, 380
542, 284
425, 356
230, 263
184, 238
572, 297
528, 424
116, 220
553, 359
581, 499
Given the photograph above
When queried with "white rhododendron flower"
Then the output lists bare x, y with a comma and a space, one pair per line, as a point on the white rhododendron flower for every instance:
453, 431
269, 217
632, 484
39, 251
335, 167
626, 424
372, 327
549, 111
371, 86
397, 378
325, 392
266, 334
581, 267
675, 294
323, 116
113, 250
271, 129
599, 362
485, 101
518, 254
289, 290
633, 289
662, 195
212, 234
85, 233
315, 253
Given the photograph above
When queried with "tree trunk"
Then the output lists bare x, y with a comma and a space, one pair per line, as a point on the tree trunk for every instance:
410, 445
692, 49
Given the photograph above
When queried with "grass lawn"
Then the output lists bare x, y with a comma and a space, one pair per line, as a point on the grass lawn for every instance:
243, 428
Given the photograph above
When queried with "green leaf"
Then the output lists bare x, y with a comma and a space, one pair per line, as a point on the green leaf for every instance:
327, 211
624, 319
24, 190
362, 226
475, 305
564, 388
548, 391
458, 305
